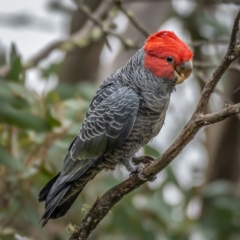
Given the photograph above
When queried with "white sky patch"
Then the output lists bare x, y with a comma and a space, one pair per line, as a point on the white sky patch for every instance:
10, 6
207, 31
184, 7
120, 18
173, 24
107, 56
194, 208
54, 57
34, 82
158, 182
197, 236
194, 156
182, 105
28, 40
208, 50
228, 13
177, 214
172, 195
70, 4
139, 201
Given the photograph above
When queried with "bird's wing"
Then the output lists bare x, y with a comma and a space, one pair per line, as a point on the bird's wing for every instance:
108, 123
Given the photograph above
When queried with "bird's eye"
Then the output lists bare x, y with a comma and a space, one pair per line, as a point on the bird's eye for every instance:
170, 59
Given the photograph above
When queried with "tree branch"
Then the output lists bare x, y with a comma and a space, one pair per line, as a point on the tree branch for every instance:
202, 78
198, 120
231, 55
144, 32
79, 38
106, 31
199, 64
213, 41
76, 39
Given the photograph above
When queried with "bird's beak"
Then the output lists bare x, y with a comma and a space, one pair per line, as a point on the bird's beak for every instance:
183, 71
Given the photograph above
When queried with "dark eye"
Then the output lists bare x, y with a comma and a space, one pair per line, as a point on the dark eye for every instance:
170, 59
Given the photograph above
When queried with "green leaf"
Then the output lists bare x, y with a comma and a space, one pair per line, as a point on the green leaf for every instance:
62, 92
53, 122
150, 151
171, 177
16, 65
227, 203
22, 118
86, 91
52, 69
13, 94
218, 188
7, 160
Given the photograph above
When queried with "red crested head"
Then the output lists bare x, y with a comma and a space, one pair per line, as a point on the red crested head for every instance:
167, 56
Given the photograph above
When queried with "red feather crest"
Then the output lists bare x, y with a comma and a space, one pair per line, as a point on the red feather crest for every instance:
161, 45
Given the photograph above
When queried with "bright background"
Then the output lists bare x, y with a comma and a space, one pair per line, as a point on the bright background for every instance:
42, 108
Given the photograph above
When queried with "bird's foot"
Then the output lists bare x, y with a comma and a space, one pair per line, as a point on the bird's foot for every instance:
143, 159
141, 163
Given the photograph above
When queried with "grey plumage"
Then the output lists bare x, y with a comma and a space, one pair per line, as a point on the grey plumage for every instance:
126, 112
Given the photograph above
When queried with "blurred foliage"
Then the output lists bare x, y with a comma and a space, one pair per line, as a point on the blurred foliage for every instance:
35, 132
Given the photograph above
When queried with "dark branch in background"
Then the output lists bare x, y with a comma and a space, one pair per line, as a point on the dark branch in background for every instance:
105, 31
76, 38
18, 20
84, 33
208, 41
232, 54
131, 18
199, 64
198, 120
208, 1
202, 77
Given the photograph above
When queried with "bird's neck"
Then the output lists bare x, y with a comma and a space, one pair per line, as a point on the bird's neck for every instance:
135, 75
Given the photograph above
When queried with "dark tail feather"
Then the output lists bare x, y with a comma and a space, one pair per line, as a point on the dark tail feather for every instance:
59, 193
53, 206
44, 192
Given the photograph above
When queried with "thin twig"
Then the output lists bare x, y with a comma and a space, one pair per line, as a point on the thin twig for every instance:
143, 31
105, 30
75, 39
198, 64
208, 41
231, 55
79, 38
198, 2
203, 79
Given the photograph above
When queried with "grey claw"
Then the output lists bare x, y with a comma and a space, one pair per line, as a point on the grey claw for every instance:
140, 169
132, 174
137, 165
142, 177
153, 179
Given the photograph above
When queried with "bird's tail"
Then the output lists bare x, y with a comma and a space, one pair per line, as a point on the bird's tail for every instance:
60, 195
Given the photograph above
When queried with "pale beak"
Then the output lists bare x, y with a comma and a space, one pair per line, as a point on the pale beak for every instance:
183, 71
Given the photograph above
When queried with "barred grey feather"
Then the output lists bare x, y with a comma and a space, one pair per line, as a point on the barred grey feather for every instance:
126, 112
